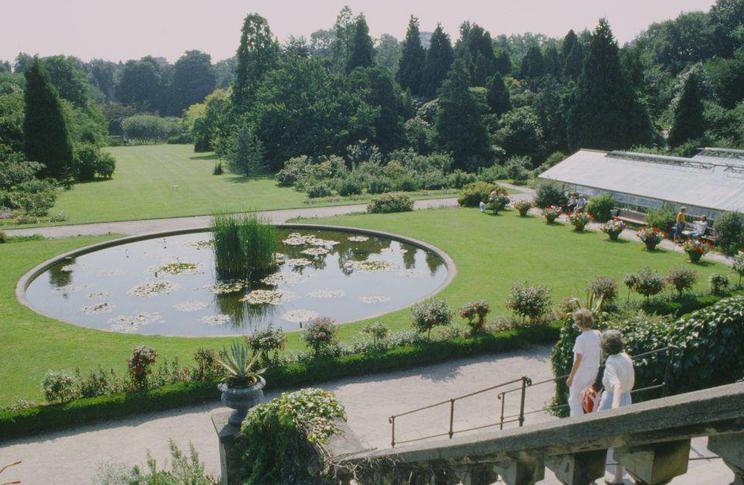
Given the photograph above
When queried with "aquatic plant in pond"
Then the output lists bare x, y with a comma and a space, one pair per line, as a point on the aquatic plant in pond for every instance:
244, 246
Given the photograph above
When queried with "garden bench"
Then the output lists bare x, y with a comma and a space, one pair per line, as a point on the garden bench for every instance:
630, 216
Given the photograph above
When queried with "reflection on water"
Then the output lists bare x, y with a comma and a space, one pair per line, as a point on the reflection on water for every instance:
169, 286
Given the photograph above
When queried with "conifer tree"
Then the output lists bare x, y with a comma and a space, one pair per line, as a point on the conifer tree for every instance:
257, 54
459, 124
412, 60
606, 113
533, 64
552, 62
439, 58
689, 122
503, 62
45, 132
362, 48
497, 95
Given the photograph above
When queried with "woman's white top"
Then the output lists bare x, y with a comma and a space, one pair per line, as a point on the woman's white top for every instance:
619, 371
588, 345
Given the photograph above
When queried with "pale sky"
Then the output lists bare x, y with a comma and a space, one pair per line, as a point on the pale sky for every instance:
120, 30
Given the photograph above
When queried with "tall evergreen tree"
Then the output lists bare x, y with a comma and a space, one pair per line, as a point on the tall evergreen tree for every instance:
412, 60
475, 49
362, 49
503, 62
193, 80
606, 113
497, 95
46, 138
257, 54
459, 123
439, 60
552, 62
572, 57
533, 64
688, 123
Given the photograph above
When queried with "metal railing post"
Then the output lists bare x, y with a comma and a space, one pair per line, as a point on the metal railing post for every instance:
392, 425
452, 417
522, 399
668, 370
502, 397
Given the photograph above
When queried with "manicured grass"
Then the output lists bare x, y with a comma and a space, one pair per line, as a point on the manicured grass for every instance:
158, 181
491, 252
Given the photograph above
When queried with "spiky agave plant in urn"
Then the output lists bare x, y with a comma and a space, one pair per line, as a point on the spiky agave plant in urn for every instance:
242, 384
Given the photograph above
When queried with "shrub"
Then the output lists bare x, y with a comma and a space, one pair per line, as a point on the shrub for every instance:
90, 162
646, 282
522, 207
407, 184
459, 179
348, 186
551, 214
60, 386
473, 194
294, 169
516, 169
530, 302
579, 220
377, 330
218, 170
738, 265
387, 203
148, 128
719, 284
265, 342
695, 249
279, 438
603, 287
100, 383
548, 194
139, 366
207, 367
3, 237
651, 237
432, 181
662, 218
681, 279
729, 227
379, 185
493, 173
320, 335
497, 203
475, 313
429, 314
600, 207
613, 228
319, 189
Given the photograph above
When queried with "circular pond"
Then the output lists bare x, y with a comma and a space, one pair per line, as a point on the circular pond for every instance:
168, 285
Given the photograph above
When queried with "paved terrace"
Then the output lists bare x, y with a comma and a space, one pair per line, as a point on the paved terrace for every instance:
75, 456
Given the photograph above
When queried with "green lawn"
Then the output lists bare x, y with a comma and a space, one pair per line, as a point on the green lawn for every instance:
491, 252
157, 181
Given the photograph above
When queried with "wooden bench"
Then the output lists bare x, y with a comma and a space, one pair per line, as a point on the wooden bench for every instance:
630, 216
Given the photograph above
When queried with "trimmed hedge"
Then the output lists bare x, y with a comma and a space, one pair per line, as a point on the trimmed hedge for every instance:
39, 419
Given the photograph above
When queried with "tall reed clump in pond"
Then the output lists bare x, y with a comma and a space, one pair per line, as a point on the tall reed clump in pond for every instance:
244, 245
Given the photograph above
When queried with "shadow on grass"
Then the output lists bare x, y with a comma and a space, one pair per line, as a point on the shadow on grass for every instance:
206, 156
618, 241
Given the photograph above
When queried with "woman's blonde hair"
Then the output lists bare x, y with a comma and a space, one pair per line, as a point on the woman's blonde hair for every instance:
583, 318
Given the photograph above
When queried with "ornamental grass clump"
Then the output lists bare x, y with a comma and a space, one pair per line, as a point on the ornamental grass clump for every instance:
240, 369
321, 336
244, 245
429, 314
523, 207
613, 228
681, 279
475, 314
579, 220
695, 249
551, 213
651, 237
140, 366
529, 302
279, 439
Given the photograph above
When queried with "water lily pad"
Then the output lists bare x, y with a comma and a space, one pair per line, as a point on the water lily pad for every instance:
266, 297
276, 279
190, 306
216, 319
300, 316
297, 239
369, 265
227, 287
130, 323
176, 268
153, 288
99, 294
98, 308
299, 262
327, 294
358, 238
202, 244
375, 299
315, 251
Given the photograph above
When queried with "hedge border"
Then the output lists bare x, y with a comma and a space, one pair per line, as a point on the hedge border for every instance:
54, 417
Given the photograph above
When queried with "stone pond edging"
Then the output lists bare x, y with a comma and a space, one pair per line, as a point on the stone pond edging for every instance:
25, 281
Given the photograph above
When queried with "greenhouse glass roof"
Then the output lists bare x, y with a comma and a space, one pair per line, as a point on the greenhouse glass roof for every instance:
713, 179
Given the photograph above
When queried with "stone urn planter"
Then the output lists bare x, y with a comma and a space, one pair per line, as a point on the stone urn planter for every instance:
241, 399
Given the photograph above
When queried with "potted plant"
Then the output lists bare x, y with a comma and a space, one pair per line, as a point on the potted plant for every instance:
551, 213
695, 249
523, 207
579, 221
651, 237
242, 385
613, 228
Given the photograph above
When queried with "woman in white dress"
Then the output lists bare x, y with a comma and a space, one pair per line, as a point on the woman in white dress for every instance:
586, 360
618, 381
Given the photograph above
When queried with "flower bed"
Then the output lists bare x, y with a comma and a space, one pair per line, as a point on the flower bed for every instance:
651, 237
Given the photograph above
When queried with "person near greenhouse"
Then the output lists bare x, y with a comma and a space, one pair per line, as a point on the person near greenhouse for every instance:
571, 203
618, 381
580, 203
587, 354
701, 227
679, 224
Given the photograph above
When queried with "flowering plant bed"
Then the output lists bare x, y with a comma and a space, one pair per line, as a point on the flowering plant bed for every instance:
579, 220
551, 213
613, 228
695, 249
651, 237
